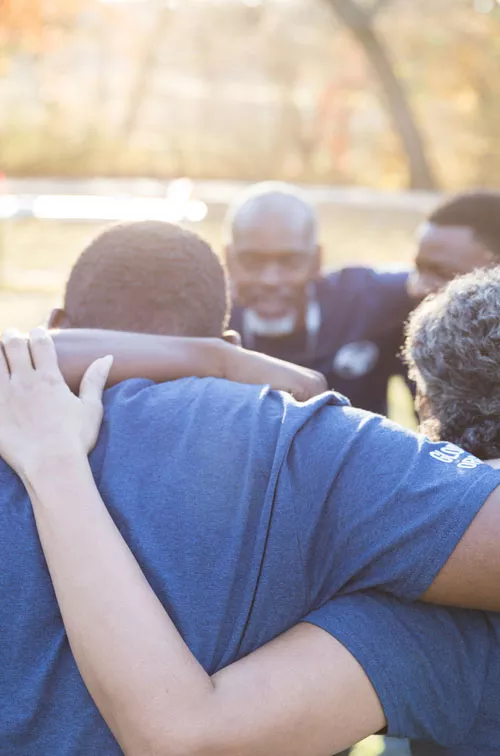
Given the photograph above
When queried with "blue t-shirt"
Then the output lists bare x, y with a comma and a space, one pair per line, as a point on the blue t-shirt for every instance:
246, 511
435, 670
359, 337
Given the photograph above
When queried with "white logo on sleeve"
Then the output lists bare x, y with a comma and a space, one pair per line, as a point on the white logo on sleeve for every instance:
450, 453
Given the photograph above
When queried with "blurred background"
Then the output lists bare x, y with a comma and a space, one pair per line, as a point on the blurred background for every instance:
382, 93
106, 106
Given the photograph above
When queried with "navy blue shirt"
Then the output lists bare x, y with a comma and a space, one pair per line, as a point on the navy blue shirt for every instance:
246, 511
435, 670
360, 335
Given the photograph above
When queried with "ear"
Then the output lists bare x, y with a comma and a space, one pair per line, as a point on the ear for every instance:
232, 337
58, 319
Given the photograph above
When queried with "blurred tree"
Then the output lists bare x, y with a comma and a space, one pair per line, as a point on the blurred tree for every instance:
28, 24
146, 67
359, 18
237, 90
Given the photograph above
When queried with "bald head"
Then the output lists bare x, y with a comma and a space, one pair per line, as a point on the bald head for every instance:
272, 216
272, 251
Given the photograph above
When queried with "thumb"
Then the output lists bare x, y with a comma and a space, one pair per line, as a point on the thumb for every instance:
94, 380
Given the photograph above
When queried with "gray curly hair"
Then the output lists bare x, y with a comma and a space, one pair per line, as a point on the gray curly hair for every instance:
452, 350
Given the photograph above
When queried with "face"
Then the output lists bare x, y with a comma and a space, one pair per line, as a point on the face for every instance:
270, 265
444, 253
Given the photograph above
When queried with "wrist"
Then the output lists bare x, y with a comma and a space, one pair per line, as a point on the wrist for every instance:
226, 354
53, 463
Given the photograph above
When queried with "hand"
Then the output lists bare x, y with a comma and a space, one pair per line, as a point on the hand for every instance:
40, 418
245, 366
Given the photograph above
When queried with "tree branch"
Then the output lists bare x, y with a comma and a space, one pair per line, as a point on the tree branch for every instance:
358, 21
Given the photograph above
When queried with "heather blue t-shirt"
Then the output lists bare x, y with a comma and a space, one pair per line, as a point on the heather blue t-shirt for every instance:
245, 511
435, 670
359, 338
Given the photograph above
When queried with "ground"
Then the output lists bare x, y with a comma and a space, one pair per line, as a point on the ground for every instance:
36, 257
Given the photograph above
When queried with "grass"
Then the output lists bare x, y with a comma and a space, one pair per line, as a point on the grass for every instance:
36, 257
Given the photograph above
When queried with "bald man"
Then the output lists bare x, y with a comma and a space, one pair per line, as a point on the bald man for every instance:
346, 324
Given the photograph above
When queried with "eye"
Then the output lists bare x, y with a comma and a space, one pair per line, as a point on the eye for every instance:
293, 260
250, 260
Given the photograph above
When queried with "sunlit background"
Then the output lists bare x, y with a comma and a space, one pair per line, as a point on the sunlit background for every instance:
382, 93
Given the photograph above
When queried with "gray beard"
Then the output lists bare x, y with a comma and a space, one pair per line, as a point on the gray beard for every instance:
272, 327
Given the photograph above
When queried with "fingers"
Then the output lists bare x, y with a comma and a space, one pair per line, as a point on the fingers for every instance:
94, 381
17, 353
43, 351
20, 355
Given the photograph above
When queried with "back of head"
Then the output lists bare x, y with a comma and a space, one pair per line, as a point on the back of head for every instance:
453, 352
479, 211
272, 203
149, 277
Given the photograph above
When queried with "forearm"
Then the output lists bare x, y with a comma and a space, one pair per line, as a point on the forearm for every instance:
159, 358
134, 663
166, 358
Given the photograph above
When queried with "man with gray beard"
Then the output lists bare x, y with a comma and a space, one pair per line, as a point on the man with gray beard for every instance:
347, 324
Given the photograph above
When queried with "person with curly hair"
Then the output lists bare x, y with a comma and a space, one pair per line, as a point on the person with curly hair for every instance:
453, 353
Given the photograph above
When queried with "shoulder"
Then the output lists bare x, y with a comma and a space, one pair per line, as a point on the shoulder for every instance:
363, 278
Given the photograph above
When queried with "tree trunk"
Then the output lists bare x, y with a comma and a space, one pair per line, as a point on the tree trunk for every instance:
145, 71
359, 23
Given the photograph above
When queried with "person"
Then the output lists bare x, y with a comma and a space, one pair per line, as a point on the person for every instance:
241, 532
152, 265
452, 351
347, 324
461, 235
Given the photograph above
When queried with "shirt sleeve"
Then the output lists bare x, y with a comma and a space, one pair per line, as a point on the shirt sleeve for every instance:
428, 665
377, 506
383, 297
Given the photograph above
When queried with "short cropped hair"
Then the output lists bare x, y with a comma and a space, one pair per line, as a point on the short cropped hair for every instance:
149, 277
479, 211
453, 352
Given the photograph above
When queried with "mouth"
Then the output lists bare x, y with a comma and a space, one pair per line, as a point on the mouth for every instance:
272, 308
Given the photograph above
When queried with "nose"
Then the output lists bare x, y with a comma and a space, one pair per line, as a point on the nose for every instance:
271, 275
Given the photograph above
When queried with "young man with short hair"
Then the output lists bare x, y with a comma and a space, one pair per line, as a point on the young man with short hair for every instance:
461, 235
